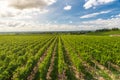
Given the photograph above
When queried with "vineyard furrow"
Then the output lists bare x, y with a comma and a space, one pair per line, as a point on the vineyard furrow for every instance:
24, 71
115, 66
78, 75
35, 69
44, 65
61, 62
89, 68
59, 57
113, 77
48, 77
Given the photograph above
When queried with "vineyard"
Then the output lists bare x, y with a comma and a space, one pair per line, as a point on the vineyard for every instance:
59, 57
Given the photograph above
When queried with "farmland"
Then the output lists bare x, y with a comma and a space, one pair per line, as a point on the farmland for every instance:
59, 57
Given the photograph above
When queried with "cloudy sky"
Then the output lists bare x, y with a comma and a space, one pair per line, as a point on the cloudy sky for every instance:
58, 15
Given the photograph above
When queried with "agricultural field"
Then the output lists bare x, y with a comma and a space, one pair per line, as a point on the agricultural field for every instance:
105, 33
59, 57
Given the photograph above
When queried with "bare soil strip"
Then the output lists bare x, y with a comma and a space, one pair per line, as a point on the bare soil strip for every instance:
117, 35
36, 67
48, 77
62, 76
91, 69
78, 75
115, 66
110, 74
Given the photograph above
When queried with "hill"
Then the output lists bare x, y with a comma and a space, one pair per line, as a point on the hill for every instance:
105, 33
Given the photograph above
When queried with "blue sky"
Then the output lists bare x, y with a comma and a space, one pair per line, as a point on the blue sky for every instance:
58, 15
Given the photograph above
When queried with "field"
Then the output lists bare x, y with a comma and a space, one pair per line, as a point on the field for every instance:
105, 33
59, 57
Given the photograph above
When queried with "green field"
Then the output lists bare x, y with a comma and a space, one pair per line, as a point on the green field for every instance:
59, 57
105, 33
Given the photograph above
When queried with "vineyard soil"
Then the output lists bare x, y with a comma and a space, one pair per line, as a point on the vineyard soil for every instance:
59, 57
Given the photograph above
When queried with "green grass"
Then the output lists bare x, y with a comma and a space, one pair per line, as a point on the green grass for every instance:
104, 33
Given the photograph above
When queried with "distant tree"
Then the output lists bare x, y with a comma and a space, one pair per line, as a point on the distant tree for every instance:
115, 29
102, 30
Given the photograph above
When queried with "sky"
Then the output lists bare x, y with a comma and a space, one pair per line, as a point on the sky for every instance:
58, 15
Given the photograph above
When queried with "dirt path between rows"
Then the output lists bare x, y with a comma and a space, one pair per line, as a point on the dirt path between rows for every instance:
78, 75
62, 76
117, 35
89, 69
113, 77
48, 77
115, 66
36, 67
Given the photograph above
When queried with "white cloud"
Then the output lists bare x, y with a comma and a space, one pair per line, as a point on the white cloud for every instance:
23, 4
9, 12
94, 14
13, 8
100, 23
30, 14
27, 10
10, 25
94, 3
115, 16
68, 7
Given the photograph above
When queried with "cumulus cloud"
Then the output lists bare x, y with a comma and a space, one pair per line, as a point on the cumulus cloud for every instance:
94, 3
30, 14
13, 8
95, 14
30, 9
25, 4
68, 7
100, 23
8, 12
10, 25
116, 16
